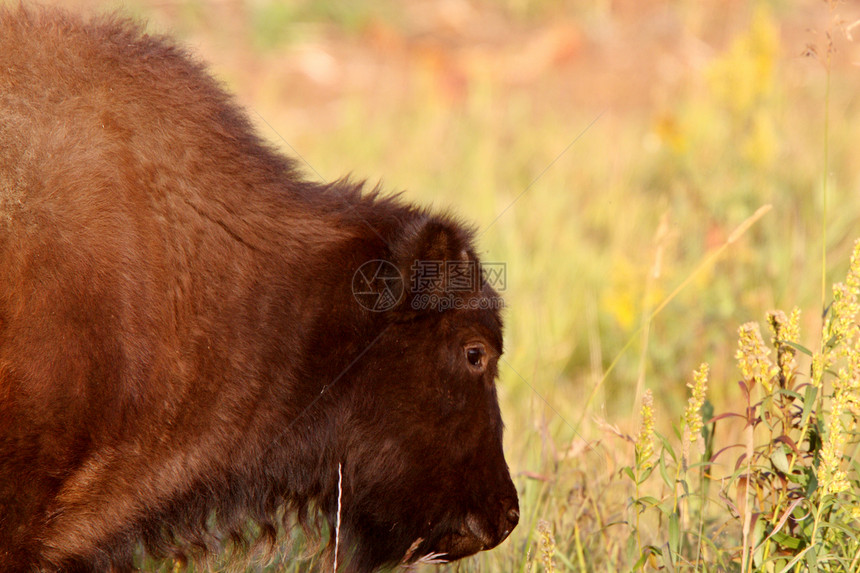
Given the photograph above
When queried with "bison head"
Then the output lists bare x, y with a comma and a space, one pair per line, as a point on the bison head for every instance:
423, 470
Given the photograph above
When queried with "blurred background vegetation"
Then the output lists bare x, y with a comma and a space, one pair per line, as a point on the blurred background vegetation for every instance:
605, 149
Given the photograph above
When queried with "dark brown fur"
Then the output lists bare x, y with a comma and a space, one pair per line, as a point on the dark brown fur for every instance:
181, 353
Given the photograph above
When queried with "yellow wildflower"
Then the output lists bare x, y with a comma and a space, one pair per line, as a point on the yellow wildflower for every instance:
853, 279
843, 420
645, 437
842, 325
693, 413
820, 363
547, 545
831, 477
785, 330
753, 359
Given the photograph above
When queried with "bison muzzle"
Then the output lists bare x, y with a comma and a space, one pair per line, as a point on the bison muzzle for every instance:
189, 355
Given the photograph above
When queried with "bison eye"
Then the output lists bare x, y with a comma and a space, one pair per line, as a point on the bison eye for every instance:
476, 356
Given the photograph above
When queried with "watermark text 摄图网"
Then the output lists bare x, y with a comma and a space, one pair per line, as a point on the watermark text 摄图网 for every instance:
378, 285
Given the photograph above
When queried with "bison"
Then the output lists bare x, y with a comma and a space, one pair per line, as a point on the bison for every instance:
200, 347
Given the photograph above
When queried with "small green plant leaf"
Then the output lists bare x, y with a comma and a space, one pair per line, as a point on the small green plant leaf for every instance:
787, 392
796, 346
812, 559
780, 460
788, 442
643, 477
787, 541
668, 560
649, 500
640, 563
685, 486
674, 533
664, 472
812, 485
667, 507
758, 540
667, 446
808, 402
702, 464
631, 545
777, 529
628, 471
707, 414
841, 528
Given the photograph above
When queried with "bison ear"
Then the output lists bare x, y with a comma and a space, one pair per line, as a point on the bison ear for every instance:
436, 260
436, 239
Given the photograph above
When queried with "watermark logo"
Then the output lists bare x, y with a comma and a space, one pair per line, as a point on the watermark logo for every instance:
495, 275
457, 276
377, 285
451, 301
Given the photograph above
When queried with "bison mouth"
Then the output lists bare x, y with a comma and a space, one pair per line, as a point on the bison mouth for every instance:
473, 535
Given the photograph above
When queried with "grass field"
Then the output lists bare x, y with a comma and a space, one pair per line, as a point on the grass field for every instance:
653, 175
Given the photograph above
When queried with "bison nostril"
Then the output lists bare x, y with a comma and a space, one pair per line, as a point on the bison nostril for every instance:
514, 516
